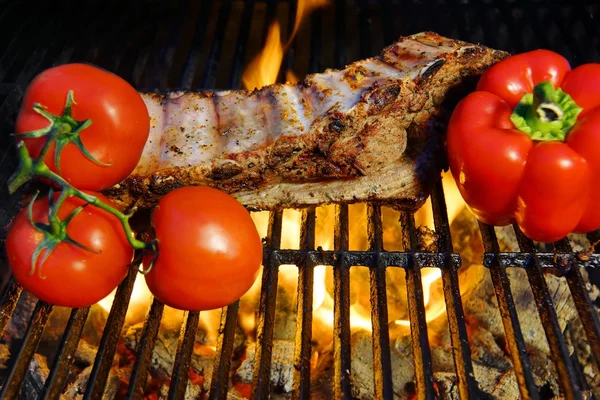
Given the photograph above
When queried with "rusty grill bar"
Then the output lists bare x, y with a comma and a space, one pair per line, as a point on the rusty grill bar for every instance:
205, 45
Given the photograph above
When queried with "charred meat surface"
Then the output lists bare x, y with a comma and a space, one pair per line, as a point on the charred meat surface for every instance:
372, 131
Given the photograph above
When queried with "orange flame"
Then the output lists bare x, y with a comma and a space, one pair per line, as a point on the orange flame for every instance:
264, 68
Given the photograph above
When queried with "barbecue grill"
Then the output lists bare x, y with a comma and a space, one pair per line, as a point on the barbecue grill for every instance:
204, 45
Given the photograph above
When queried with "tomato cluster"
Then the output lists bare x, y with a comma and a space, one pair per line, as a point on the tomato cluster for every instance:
207, 251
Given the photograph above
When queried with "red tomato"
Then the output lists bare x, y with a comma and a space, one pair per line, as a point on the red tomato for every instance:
70, 276
209, 250
117, 135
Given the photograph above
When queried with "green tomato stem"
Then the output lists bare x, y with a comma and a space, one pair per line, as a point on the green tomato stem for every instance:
62, 130
68, 190
546, 114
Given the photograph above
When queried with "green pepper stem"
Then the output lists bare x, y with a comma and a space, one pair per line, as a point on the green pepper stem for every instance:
546, 114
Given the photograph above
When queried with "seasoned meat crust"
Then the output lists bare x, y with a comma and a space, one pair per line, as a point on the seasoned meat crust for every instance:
372, 131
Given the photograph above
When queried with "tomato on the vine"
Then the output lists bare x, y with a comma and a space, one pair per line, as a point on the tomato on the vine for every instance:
119, 128
209, 251
71, 276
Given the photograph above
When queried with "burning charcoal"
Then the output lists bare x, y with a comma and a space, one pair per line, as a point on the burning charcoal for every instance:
4, 355
322, 377
285, 314
164, 350
35, 377
481, 308
282, 366
361, 344
427, 239
85, 353
192, 391
116, 378
447, 385
163, 355
582, 354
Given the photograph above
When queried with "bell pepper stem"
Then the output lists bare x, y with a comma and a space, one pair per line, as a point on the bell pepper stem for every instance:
546, 114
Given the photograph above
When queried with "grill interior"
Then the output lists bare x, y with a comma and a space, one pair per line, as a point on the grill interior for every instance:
193, 45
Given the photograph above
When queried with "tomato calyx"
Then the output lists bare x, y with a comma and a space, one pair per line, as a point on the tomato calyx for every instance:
55, 232
63, 130
546, 114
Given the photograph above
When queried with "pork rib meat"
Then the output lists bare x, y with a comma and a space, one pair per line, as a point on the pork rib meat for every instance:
372, 131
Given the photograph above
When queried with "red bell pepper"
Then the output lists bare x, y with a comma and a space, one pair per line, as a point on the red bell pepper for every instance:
525, 146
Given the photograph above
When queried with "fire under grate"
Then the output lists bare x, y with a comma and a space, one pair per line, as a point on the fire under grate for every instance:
206, 45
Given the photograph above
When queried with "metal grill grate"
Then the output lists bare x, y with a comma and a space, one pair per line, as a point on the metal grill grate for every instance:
192, 45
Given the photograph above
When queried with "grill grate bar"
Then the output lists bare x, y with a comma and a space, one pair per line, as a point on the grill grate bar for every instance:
145, 347
220, 378
240, 49
467, 386
289, 62
416, 311
365, 29
379, 313
558, 347
314, 62
64, 356
151, 74
183, 357
225, 341
261, 378
510, 320
585, 307
210, 73
110, 338
302, 349
185, 16
16, 374
340, 34
193, 60
10, 298
341, 307
434, 260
